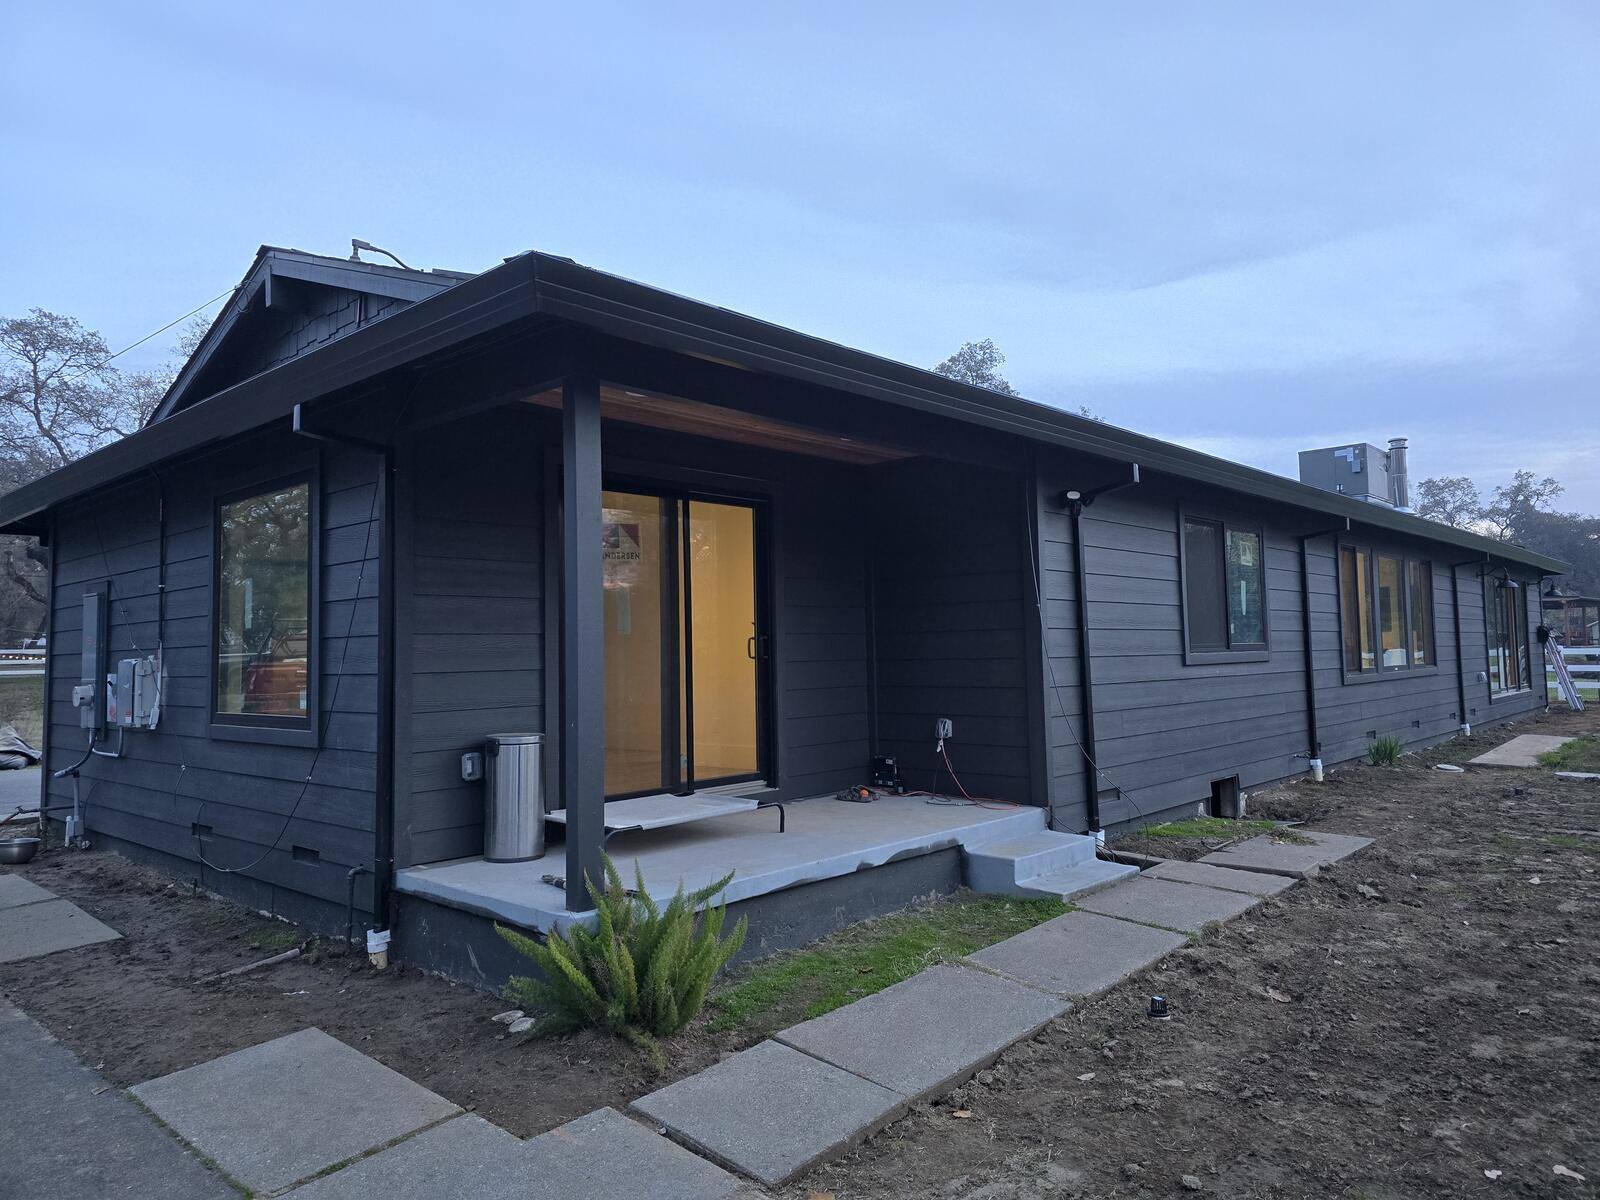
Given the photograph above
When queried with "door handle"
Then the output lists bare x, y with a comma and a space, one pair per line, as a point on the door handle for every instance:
756, 647
750, 647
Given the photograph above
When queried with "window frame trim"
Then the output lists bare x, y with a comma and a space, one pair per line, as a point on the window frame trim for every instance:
1380, 672
1527, 643
1249, 652
243, 727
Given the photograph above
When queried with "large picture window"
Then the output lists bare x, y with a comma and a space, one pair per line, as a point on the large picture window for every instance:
264, 643
1385, 611
1505, 612
1224, 589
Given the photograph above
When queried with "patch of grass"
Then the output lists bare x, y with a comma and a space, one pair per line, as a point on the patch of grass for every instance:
866, 958
1566, 841
1385, 751
22, 705
1207, 827
1580, 754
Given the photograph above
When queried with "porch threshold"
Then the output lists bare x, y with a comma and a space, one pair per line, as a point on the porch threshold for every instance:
826, 838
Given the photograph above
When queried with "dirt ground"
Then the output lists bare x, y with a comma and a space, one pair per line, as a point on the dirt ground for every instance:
1440, 1028
133, 1009
1332, 1043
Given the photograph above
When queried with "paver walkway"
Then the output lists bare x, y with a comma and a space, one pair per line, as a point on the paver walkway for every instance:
307, 1116
35, 921
65, 1134
1300, 858
1521, 751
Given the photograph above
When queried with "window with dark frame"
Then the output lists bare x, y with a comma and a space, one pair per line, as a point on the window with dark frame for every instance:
1505, 619
264, 602
1224, 587
1385, 611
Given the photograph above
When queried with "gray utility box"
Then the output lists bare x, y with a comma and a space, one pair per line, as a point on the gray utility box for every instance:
513, 811
1360, 471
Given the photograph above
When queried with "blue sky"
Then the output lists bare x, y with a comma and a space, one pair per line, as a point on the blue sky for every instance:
1250, 228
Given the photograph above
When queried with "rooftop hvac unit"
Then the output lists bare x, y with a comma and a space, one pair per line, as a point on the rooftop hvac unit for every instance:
1361, 471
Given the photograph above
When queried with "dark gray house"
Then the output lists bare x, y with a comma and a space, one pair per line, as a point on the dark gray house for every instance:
721, 566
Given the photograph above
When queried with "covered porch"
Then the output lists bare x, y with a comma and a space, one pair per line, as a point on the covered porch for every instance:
697, 581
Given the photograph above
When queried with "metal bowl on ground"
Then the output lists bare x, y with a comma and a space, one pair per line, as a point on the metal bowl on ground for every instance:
17, 850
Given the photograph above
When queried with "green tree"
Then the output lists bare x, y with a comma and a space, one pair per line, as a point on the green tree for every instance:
1450, 500
978, 363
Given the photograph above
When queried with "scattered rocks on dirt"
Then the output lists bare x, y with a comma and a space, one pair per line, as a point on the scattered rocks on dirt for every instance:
506, 1018
1192, 1182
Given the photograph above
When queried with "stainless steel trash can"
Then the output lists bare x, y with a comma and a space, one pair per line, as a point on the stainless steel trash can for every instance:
513, 817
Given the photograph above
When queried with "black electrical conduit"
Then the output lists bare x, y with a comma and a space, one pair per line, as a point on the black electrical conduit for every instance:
1074, 502
1313, 733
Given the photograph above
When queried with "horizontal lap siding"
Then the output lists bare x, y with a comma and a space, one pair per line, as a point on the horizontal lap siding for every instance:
949, 641
821, 674
1166, 728
473, 629
178, 775
1063, 708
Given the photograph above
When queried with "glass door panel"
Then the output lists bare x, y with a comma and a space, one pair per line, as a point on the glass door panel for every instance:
637, 537
720, 594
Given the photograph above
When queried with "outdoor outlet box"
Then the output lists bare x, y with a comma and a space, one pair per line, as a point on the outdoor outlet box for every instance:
944, 727
472, 766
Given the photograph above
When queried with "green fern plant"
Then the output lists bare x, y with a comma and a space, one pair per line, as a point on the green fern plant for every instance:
1385, 752
641, 973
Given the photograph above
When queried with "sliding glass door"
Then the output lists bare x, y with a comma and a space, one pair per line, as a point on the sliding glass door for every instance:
684, 643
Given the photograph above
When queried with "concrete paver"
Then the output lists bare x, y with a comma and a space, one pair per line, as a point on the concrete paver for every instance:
1521, 751
1253, 883
1185, 906
65, 1134
274, 1114
922, 1035
771, 1111
1078, 954
1300, 858
606, 1156
46, 926
15, 890
464, 1156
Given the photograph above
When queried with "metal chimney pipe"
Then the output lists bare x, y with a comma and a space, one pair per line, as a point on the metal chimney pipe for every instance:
1399, 476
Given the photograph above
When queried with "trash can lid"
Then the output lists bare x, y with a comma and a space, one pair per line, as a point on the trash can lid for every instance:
513, 739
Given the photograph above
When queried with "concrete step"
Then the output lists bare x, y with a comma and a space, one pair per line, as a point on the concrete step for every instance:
1001, 865
1080, 880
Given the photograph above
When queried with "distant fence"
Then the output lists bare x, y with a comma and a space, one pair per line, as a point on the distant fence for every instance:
1584, 663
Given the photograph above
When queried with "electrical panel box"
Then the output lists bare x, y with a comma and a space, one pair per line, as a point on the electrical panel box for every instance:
136, 696
1360, 471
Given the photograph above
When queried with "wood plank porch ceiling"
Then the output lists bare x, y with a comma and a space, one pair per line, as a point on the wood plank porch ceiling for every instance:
678, 415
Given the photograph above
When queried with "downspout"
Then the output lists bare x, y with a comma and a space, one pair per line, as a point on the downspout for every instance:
383, 818
1075, 502
1461, 661
48, 540
1313, 733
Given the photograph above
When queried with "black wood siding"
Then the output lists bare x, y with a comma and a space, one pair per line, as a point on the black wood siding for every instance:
470, 636
153, 795
1165, 728
949, 612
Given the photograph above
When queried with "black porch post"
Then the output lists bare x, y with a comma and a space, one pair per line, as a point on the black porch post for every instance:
582, 638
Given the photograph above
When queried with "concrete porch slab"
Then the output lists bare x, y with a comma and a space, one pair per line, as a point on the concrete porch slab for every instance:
1183, 906
275, 1114
1078, 954
925, 1033
1252, 883
659, 812
771, 1111
606, 1156
46, 926
1521, 751
1297, 859
464, 1156
15, 890
826, 839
